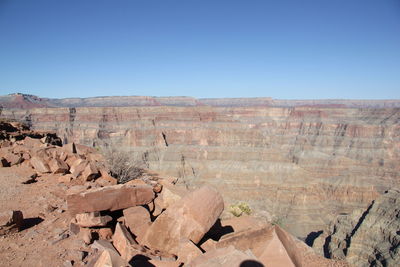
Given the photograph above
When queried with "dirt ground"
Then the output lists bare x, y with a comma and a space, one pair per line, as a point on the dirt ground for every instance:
45, 239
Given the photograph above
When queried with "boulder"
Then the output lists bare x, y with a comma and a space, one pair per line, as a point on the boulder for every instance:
90, 172
78, 167
20, 149
136, 182
138, 220
105, 233
26, 156
62, 155
58, 166
275, 253
244, 222
65, 179
32, 142
84, 150
110, 259
72, 160
40, 164
69, 148
168, 196
106, 181
157, 188
14, 217
209, 244
13, 159
43, 153
187, 251
248, 239
113, 197
123, 242
10, 157
11, 221
5, 143
189, 218
4, 162
105, 178
128, 248
86, 235
226, 257
102, 245
92, 219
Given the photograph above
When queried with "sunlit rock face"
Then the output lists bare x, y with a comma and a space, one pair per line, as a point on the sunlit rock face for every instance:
304, 165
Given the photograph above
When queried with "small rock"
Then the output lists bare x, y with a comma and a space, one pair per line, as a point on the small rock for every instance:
90, 172
92, 219
105, 233
157, 188
86, 235
65, 179
74, 228
49, 208
4, 162
11, 220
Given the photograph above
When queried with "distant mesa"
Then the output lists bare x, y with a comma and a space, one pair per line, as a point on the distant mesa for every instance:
27, 101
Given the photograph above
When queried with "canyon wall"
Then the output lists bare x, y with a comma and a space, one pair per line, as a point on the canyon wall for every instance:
302, 165
369, 237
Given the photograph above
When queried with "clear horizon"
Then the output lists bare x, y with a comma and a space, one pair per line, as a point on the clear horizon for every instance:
202, 49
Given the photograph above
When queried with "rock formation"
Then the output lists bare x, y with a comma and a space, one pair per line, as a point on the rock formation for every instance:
368, 237
304, 164
87, 222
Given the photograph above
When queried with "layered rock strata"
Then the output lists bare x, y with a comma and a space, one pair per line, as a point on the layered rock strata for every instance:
303, 165
368, 237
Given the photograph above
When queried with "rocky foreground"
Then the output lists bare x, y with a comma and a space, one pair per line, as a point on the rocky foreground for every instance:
60, 207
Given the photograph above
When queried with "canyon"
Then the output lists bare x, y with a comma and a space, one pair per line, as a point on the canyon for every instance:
298, 163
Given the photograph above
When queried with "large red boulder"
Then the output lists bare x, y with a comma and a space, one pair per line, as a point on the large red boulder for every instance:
138, 220
188, 218
113, 197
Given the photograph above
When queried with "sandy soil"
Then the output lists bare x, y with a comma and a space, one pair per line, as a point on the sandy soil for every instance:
45, 239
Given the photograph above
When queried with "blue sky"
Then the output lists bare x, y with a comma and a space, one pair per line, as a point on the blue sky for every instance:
282, 49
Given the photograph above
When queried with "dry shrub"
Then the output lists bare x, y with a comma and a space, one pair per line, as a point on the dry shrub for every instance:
239, 209
122, 164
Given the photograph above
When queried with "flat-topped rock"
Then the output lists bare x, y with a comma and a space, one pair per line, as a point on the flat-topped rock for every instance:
111, 198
